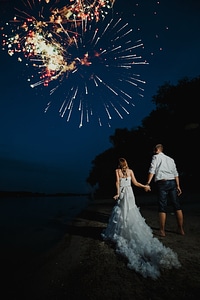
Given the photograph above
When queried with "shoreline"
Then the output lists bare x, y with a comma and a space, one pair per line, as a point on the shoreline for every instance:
82, 266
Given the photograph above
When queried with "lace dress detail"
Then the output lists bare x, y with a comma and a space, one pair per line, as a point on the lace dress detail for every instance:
134, 238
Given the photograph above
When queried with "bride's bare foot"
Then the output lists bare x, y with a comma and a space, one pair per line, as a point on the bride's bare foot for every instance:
162, 233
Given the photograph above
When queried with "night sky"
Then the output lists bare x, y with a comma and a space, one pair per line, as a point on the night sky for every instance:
42, 152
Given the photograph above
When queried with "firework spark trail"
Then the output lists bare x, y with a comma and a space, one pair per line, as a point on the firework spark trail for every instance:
86, 10
49, 55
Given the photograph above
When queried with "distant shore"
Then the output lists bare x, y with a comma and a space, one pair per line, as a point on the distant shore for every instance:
37, 194
82, 266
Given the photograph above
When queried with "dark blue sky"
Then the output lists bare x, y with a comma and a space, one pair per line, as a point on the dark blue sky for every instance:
41, 152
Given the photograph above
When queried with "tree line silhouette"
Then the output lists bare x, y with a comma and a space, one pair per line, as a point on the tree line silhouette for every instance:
174, 123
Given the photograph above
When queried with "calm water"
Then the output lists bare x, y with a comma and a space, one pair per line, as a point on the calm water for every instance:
36, 223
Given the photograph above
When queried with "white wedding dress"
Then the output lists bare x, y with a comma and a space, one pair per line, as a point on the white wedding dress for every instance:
134, 238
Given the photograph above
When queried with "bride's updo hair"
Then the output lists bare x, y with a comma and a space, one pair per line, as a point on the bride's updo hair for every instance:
123, 163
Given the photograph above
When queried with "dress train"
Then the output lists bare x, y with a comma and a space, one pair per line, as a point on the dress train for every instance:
134, 238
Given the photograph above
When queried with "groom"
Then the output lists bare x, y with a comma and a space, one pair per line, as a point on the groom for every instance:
166, 175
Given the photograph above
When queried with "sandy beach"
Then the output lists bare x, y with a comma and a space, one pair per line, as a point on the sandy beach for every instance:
82, 266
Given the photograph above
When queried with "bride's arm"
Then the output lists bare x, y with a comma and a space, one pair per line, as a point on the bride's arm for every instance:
138, 184
117, 185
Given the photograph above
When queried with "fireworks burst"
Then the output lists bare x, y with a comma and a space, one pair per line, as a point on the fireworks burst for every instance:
82, 53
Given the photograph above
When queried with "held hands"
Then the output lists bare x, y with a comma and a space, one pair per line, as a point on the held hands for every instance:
147, 188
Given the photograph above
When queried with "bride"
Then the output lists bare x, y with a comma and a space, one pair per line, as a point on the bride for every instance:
130, 233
